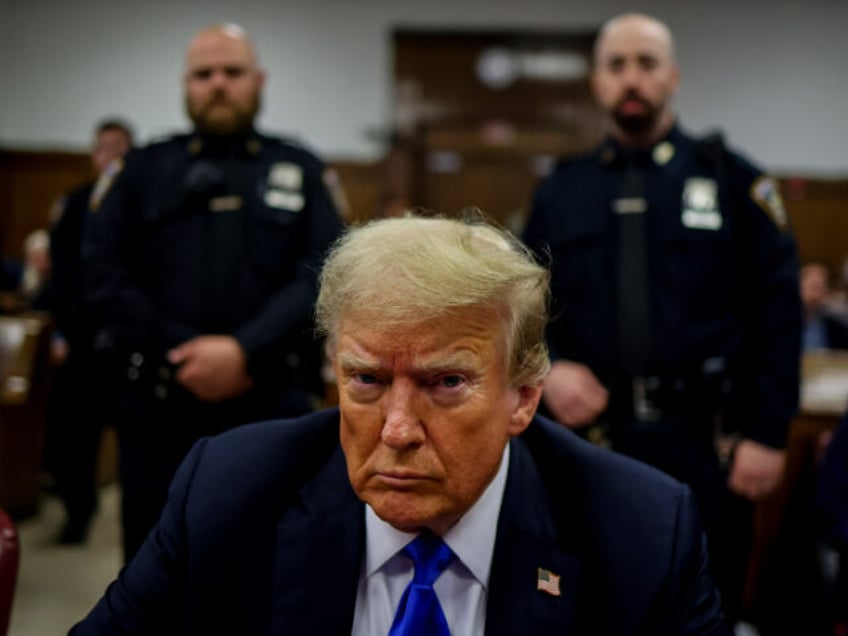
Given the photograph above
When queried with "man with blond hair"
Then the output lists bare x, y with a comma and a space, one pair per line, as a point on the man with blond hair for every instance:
433, 500
203, 257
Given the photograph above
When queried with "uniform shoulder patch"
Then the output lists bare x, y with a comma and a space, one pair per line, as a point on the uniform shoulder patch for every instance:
766, 194
104, 183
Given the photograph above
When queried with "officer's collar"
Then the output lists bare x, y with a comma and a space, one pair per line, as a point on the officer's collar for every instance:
247, 142
614, 155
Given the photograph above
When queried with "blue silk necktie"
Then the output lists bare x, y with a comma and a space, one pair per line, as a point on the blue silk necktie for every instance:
419, 612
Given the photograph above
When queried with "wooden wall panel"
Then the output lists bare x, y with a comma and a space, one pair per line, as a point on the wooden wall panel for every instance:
818, 210
362, 184
31, 184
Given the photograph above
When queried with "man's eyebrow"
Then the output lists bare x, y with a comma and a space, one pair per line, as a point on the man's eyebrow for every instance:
349, 360
459, 360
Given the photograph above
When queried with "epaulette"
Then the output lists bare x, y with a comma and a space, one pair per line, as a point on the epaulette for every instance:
713, 148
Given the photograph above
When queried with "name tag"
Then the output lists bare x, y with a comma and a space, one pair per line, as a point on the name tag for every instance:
225, 204
630, 205
702, 220
291, 201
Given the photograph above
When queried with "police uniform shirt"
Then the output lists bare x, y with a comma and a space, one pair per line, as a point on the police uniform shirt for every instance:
722, 270
203, 235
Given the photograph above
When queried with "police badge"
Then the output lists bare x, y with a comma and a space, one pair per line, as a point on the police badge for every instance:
700, 204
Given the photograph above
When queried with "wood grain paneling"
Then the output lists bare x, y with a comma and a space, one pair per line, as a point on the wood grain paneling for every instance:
30, 185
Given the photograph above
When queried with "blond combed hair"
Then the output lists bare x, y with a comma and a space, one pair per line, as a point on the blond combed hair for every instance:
404, 271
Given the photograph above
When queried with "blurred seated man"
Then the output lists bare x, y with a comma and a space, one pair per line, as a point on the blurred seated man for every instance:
822, 329
37, 271
434, 469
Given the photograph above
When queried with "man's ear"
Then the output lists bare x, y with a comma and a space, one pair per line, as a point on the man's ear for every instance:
525, 408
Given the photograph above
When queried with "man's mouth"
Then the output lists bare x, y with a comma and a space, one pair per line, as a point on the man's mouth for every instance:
631, 107
401, 478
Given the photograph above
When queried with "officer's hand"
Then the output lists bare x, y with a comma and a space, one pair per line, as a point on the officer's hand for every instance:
213, 368
757, 470
573, 394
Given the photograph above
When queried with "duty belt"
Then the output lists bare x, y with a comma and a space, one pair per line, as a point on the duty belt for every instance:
651, 399
151, 373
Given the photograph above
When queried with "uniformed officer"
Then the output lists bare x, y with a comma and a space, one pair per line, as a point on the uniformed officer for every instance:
79, 405
675, 293
204, 256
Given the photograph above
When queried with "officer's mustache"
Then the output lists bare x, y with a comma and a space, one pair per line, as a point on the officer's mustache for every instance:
633, 96
219, 98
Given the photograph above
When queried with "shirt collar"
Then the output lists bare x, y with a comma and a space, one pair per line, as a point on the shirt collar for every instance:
472, 538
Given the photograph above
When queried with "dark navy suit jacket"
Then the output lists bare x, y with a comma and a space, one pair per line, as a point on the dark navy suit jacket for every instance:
263, 534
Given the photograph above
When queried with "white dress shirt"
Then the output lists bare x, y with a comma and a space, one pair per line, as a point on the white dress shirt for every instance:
461, 588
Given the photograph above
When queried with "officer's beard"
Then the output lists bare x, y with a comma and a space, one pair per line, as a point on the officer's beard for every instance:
635, 124
220, 116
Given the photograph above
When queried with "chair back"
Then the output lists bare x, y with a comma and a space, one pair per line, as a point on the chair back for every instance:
9, 558
24, 385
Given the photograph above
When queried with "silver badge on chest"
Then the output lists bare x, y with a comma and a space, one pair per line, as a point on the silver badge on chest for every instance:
285, 187
700, 204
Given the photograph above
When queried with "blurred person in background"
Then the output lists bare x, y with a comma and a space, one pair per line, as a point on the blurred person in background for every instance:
823, 327
83, 389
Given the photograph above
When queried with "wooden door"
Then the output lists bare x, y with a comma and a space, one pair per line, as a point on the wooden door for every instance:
480, 117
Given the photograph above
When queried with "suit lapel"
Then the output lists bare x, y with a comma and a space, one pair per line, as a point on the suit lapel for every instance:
319, 550
529, 538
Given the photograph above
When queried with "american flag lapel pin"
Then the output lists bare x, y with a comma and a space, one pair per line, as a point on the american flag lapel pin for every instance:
547, 581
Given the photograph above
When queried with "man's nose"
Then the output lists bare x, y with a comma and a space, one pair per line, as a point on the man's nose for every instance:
402, 426
218, 79
631, 75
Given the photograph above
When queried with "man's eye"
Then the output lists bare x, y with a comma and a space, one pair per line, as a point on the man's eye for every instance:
648, 63
616, 65
451, 381
366, 378
202, 74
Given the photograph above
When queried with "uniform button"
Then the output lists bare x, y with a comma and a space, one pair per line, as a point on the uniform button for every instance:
160, 391
133, 373
136, 359
164, 373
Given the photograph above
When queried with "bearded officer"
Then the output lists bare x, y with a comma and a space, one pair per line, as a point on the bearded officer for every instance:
203, 273
675, 293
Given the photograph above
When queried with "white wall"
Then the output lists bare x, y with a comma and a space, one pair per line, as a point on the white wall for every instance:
772, 74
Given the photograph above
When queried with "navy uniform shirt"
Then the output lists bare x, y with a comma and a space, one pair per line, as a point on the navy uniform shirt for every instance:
204, 235
722, 273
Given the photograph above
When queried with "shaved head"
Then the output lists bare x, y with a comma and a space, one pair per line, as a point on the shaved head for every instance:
635, 77
207, 36
223, 81
645, 25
